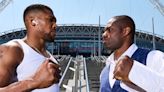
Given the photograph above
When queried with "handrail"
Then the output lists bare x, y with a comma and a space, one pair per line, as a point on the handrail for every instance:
65, 71
86, 76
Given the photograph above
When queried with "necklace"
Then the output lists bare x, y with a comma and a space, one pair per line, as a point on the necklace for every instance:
36, 49
42, 53
45, 54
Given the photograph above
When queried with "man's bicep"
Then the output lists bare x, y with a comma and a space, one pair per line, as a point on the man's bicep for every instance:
5, 74
8, 66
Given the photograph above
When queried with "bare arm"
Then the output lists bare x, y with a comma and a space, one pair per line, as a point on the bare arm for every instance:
20, 86
44, 77
10, 57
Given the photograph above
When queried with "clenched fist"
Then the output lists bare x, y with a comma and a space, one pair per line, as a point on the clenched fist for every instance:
47, 74
123, 68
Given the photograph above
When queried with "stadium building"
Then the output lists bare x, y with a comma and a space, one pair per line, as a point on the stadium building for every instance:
85, 40
81, 54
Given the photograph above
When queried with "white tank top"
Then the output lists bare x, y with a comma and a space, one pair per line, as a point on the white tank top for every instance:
31, 61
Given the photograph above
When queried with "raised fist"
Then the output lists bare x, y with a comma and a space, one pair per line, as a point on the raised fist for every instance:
123, 68
47, 74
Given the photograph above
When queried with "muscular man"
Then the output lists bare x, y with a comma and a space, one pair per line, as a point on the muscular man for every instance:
26, 61
129, 68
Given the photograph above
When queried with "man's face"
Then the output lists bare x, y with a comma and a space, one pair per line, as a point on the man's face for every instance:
112, 36
47, 26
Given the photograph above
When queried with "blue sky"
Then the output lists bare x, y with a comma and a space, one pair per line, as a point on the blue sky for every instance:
87, 12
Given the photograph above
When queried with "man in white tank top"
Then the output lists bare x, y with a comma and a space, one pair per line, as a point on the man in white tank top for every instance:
25, 63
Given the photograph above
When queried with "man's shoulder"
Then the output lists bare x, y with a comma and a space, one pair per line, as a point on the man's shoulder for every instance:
143, 50
11, 50
140, 55
11, 45
156, 53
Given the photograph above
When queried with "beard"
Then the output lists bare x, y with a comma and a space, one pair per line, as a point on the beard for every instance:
49, 37
112, 46
50, 40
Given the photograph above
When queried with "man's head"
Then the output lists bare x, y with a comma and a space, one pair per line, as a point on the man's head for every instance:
40, 22
119, 32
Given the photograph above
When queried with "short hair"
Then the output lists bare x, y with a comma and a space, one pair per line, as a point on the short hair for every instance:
36, 8
126, 21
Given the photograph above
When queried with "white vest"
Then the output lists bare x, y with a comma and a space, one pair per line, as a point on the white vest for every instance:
31, 61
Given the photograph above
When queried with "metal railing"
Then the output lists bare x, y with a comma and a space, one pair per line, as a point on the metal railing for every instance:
65, 71
86, 76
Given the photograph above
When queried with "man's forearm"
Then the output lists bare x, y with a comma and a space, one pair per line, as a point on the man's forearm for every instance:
146, 78
20, 86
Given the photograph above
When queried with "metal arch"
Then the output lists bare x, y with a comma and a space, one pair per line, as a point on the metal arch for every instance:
3, 4
158, 5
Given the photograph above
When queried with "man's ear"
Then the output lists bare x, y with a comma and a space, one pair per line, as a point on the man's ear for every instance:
34, 22
127, 31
